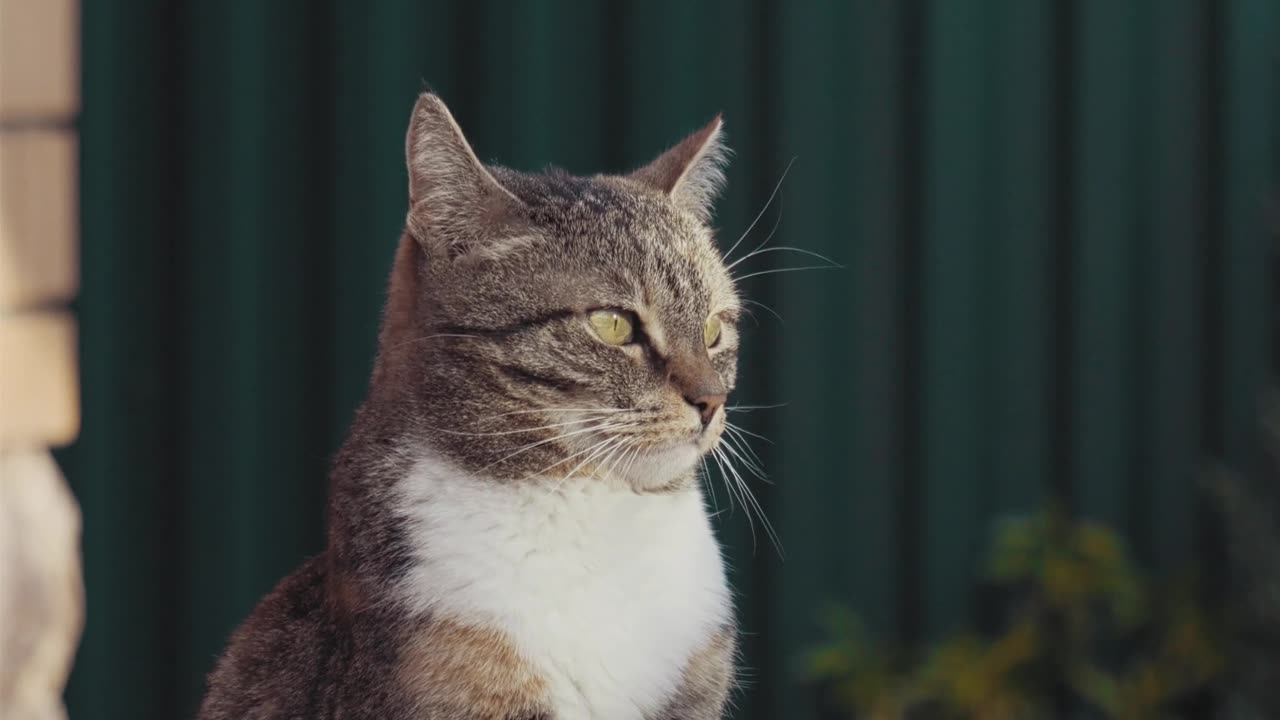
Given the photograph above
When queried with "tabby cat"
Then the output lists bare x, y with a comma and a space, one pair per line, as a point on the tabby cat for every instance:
515, 528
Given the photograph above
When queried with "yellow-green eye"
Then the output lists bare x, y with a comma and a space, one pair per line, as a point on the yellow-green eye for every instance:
612, 326
711, 334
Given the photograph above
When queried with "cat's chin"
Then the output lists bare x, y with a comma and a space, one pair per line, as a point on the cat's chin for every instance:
662, 467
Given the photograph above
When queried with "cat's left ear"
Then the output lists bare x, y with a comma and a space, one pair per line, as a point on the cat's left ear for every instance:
692, 172
455, 202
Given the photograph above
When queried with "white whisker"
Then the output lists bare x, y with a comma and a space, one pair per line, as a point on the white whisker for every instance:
556, 409
635, 455
741, 441
777, 222
749, 408
597, 449
626, 451
526, 448
615, 459
784, 248
602, 458
752, 502
730, 482
782, 270
705, 476
756, 461
513, 432
751, 498
741, 429
762, 210
766, 307
724, 476
750, 465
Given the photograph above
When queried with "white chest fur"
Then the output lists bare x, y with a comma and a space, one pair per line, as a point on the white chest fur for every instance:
606, 593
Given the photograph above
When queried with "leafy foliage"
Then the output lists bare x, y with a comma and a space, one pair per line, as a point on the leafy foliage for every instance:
1083, 630
1250, 506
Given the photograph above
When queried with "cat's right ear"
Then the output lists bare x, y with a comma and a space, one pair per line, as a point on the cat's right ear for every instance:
692, 172
455, 203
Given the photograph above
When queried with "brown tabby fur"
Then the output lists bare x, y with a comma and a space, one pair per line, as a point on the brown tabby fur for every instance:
483, 320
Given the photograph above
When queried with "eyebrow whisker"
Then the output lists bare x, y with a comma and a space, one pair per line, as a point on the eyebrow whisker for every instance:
762, 210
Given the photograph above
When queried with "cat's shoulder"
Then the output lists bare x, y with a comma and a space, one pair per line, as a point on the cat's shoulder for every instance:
292, 658
259, 660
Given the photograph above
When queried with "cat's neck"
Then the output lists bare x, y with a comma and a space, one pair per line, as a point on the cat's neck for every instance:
589, 582
388, 478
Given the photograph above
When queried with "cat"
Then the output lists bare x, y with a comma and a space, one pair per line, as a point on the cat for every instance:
515, 527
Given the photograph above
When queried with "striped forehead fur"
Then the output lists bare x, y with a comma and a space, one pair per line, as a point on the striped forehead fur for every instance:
510, 264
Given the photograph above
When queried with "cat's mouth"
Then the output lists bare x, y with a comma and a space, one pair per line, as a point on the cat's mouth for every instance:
642, 450
708, 435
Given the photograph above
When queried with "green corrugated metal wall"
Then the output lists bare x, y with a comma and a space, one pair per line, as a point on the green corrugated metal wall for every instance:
1052, 217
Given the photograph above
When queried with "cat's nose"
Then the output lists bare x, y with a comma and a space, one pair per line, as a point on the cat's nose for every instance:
706, 405
698, 383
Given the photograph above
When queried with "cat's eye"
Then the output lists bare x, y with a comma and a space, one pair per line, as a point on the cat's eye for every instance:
711, 333
613, 326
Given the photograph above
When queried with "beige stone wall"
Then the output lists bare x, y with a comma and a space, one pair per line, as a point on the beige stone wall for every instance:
41, 593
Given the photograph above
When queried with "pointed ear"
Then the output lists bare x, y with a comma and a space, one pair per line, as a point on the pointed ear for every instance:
692, 172
455, 203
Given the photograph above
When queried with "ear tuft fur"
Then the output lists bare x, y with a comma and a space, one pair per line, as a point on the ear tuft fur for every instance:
691, 173
455, 203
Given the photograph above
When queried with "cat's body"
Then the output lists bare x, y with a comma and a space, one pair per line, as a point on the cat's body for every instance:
610, 624
515, 531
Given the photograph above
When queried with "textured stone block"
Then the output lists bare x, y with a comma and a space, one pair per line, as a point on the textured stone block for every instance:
39, 60
38, 218
39, 387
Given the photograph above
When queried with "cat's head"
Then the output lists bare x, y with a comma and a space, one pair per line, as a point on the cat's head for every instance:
546, 324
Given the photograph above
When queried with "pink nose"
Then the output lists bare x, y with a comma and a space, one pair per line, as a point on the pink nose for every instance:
706, 405
697, 381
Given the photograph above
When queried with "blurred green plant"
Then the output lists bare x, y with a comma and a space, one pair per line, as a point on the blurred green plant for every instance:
1082, 630
1250, 507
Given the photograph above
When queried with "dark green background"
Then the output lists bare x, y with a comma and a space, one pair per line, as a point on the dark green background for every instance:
1052, 216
